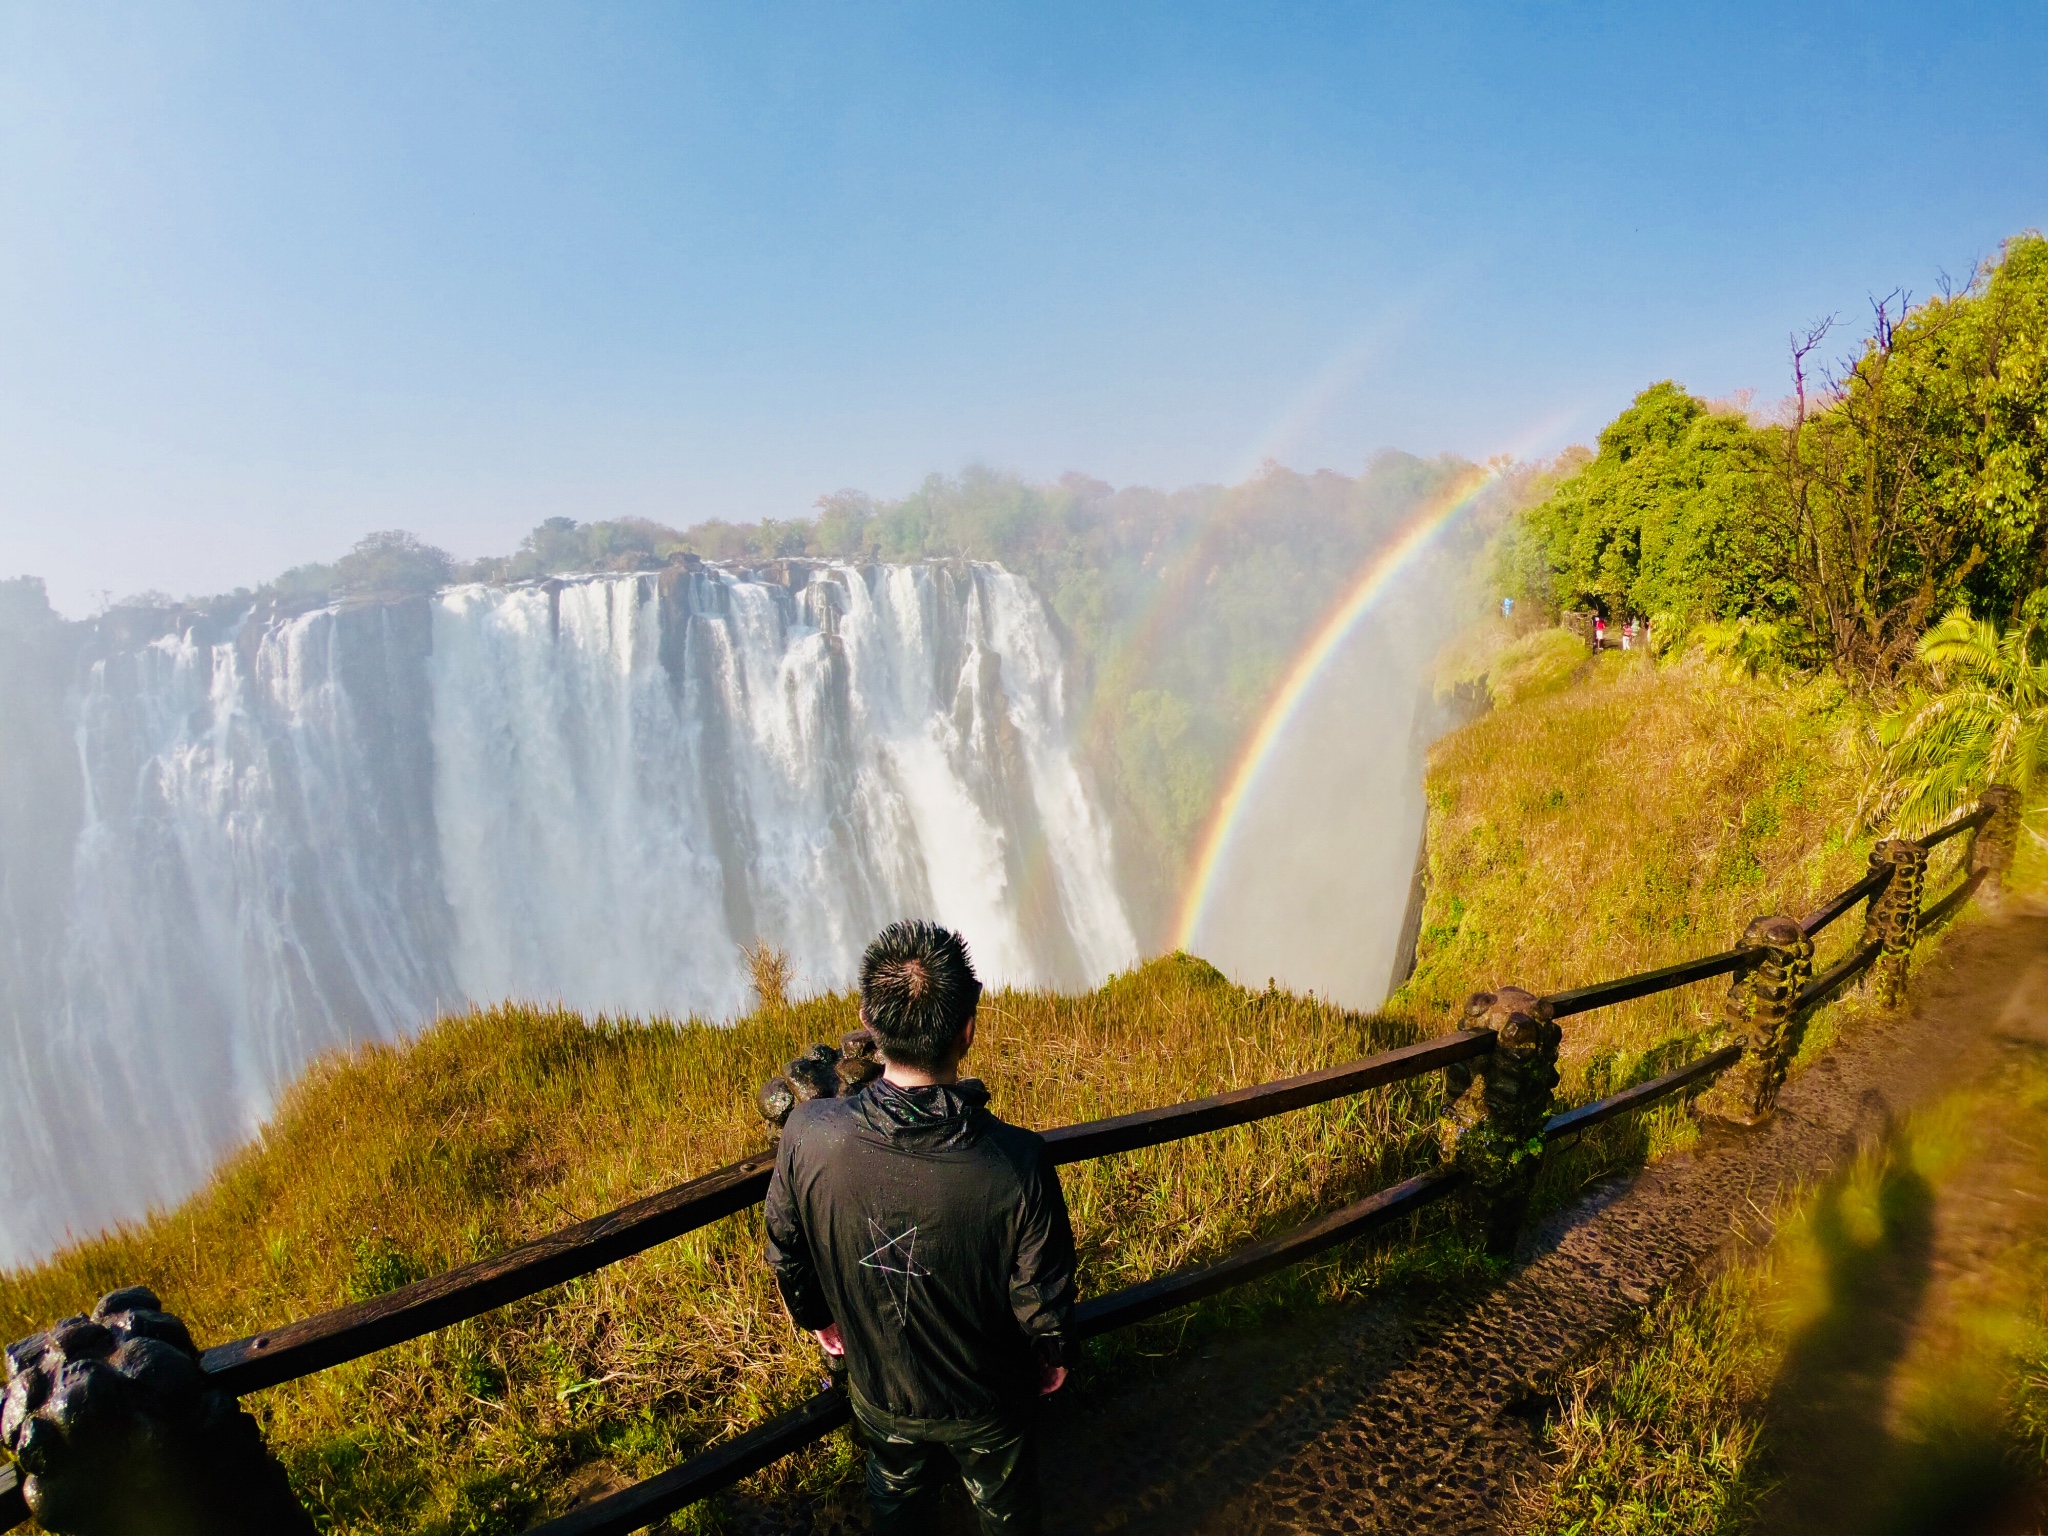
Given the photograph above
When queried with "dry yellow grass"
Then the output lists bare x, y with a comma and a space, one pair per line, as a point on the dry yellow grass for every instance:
1641, 817
1635, 818
499, 1125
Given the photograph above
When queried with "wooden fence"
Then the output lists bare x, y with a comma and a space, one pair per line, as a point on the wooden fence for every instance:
347, 1333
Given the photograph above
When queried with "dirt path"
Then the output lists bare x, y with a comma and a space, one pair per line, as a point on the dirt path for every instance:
1376, 1418
1404, 1415
1888, 1412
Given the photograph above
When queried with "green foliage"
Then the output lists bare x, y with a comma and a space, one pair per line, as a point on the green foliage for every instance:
1167, 771
393, 563
562, 546
1749, 647
1918, 482
1660, 1438
147, 599
1980, 719
1492, 659
1914, 480
1661, 518
1536, 664
1967, 386
378, 1267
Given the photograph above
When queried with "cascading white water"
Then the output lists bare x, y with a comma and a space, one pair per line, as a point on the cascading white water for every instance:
310, 830
630, 782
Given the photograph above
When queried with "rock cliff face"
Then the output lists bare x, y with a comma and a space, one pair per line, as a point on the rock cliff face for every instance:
229, 845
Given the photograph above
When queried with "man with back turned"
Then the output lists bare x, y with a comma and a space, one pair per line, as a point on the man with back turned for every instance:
927, 1242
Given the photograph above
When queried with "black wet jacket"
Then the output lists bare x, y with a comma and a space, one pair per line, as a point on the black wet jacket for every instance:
935, 1235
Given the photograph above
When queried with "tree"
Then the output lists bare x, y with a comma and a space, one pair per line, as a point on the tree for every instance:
1982, 720
25, 606
393, 562
555, 545
1660, 520
1913, 477
1916, 478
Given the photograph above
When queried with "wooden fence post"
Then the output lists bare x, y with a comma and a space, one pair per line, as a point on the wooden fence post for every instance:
1762, 1008
118, 1433
1993, 844
1493, 1129
1893, 921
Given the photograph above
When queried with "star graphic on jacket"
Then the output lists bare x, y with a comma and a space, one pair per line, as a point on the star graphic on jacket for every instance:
895, 1260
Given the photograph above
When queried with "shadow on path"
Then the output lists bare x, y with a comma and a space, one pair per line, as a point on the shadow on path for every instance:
1827, 1414
1404, 1414
1890, 1413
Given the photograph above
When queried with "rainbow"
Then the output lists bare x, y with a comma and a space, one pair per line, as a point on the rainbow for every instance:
1377, 574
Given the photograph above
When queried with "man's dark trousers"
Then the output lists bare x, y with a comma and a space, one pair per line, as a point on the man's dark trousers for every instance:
909, 1460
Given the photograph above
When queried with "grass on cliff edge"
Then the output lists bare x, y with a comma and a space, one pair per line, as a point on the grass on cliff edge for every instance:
1639, 816
1642, 816
496, 1126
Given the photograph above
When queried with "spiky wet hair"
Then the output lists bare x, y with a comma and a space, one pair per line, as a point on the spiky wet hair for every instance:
917, 991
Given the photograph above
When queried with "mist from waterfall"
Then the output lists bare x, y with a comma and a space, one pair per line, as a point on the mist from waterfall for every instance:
294, 832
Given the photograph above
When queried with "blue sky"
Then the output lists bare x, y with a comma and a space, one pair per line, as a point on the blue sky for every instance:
274, 276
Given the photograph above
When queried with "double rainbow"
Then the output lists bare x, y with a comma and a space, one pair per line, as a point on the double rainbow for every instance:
1435, 516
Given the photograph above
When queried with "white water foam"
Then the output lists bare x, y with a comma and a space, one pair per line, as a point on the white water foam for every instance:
306, 831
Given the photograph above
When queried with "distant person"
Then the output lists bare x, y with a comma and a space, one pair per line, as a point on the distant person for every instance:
1628, 634
926, 1243
1507, 607
1599, 632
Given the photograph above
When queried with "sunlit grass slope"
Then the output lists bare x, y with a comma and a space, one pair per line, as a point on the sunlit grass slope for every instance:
1633, 818
496, 1126
1643, 815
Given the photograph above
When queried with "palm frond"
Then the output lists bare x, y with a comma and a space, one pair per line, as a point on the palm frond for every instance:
1983, 721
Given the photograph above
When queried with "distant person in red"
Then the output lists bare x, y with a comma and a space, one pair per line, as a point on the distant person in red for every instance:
1599, 633
927, 1242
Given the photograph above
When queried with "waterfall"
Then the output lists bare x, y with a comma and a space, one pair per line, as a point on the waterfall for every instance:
295, 832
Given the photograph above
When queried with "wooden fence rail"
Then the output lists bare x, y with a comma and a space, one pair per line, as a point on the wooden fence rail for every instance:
702, 1475
315, 1343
